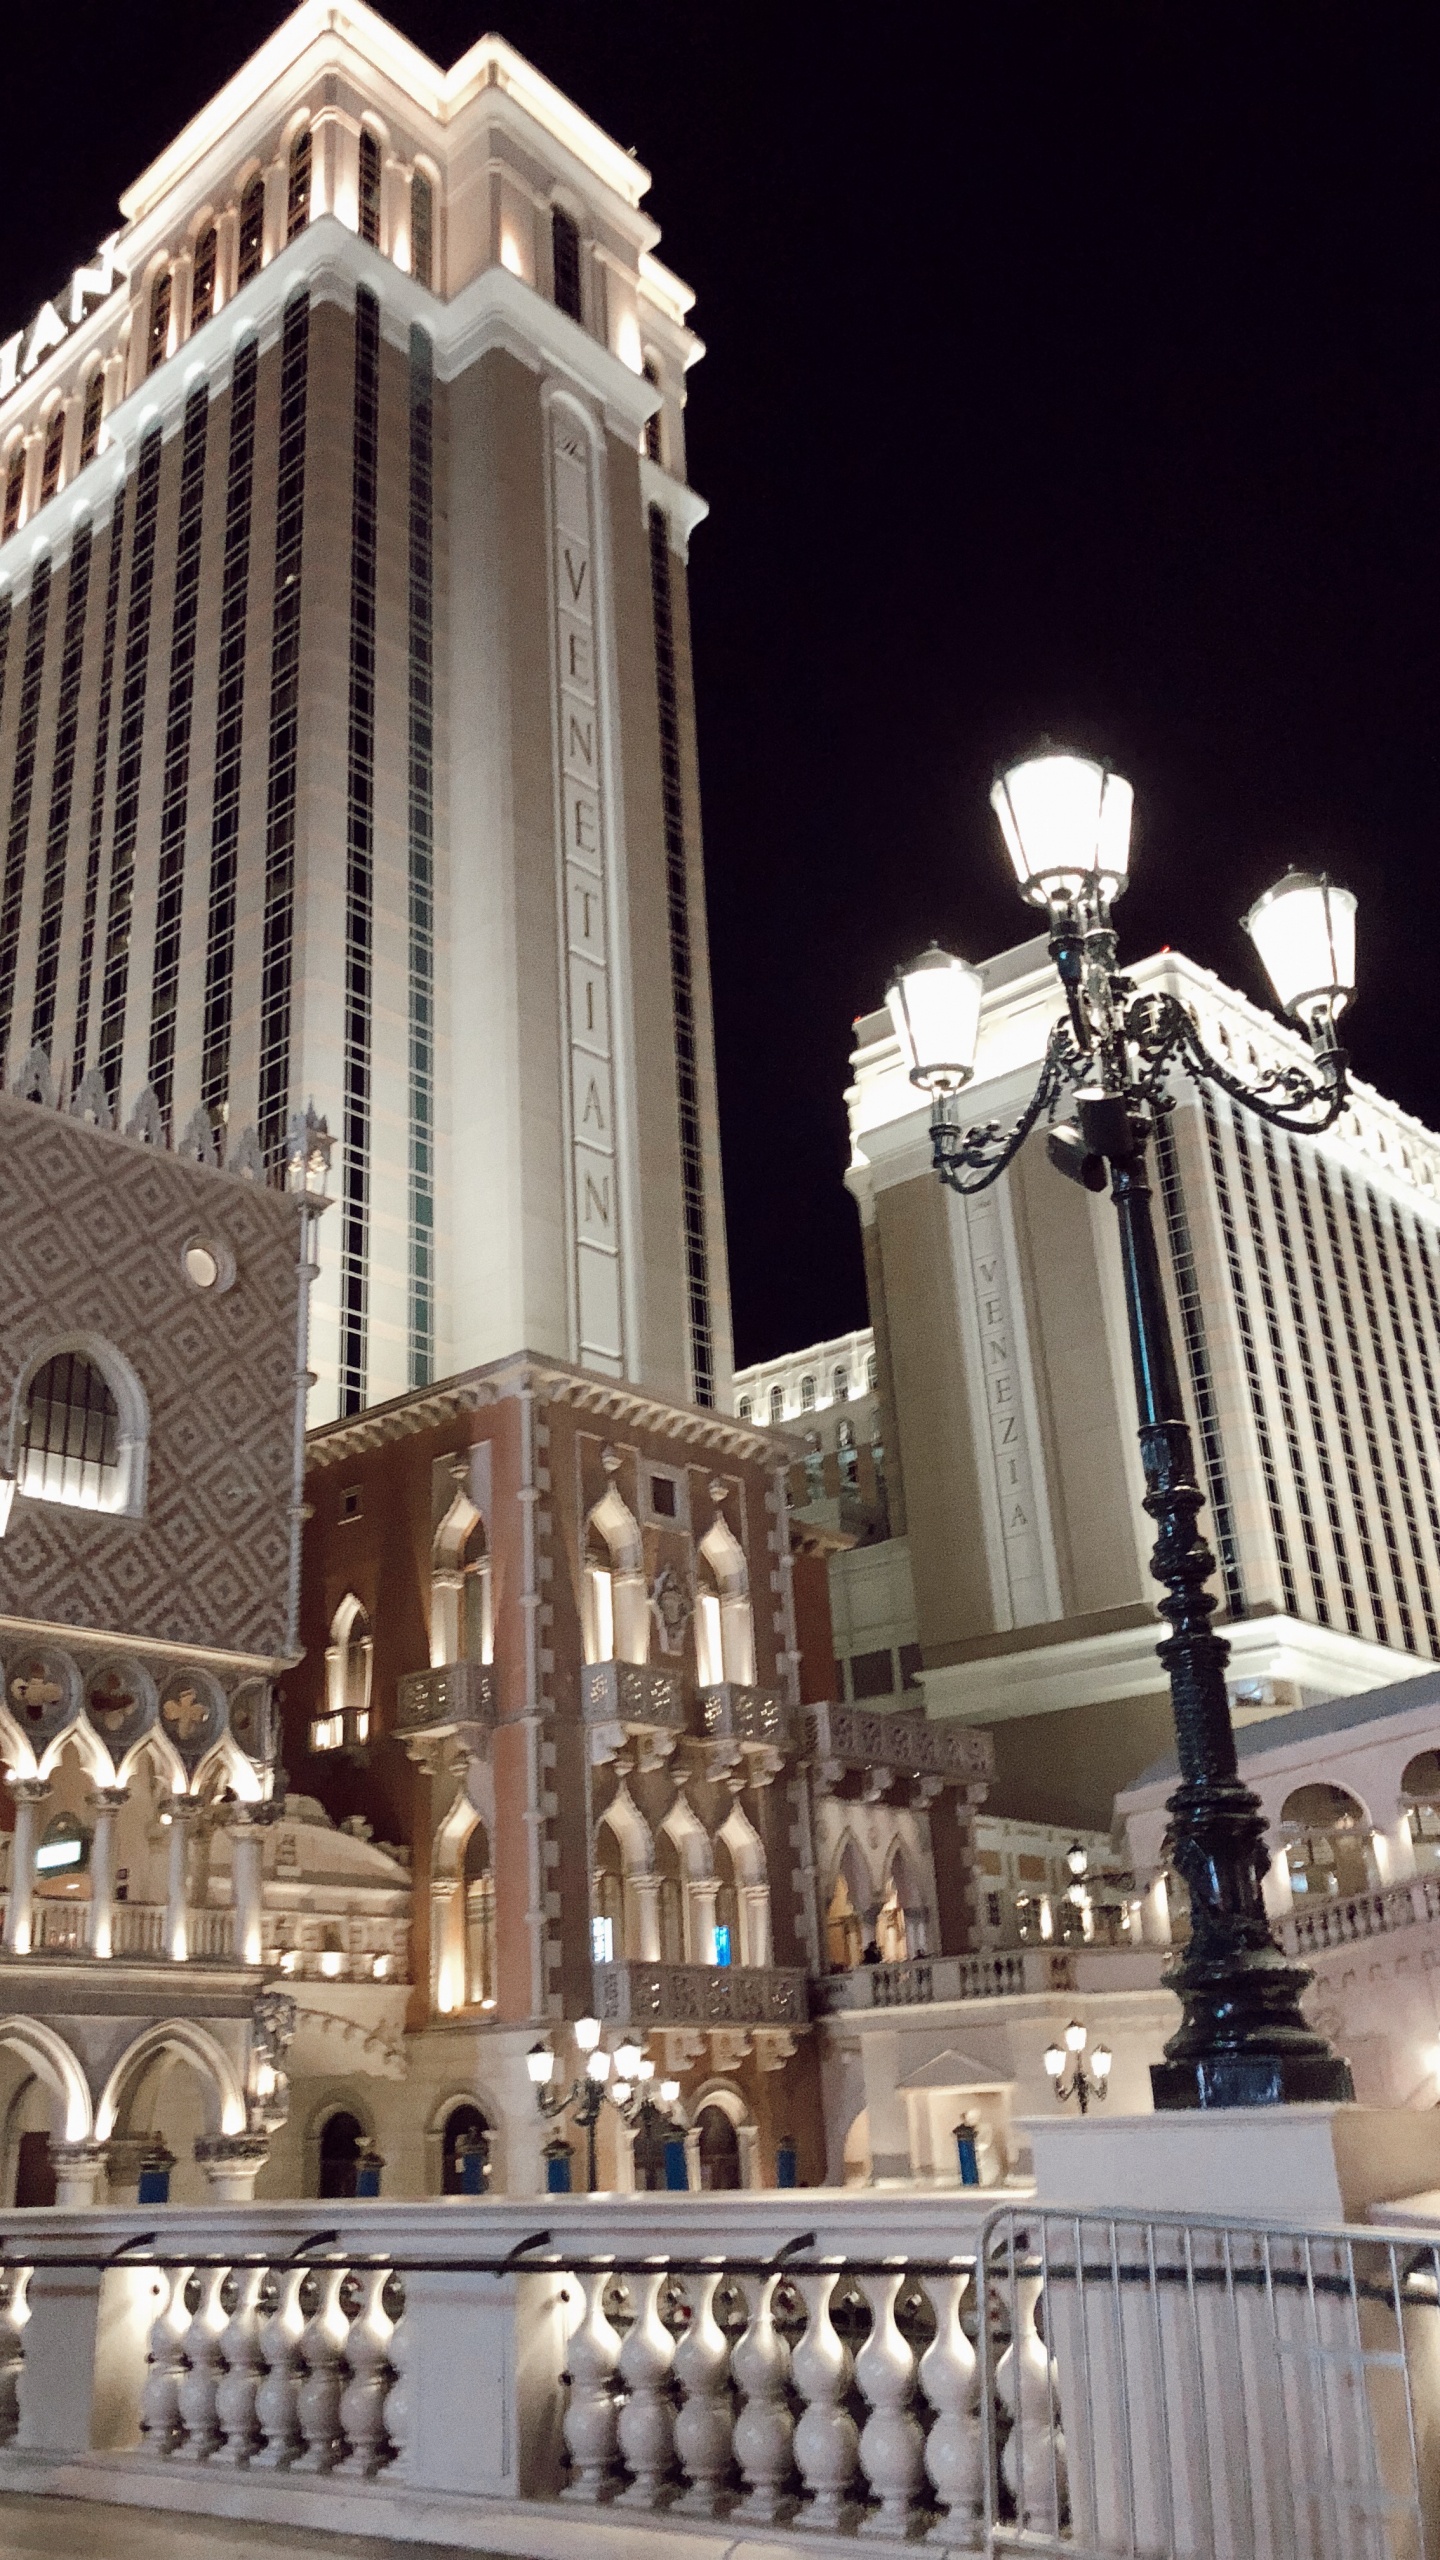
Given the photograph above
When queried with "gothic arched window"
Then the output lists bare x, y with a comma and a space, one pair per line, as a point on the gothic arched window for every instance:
297, 190
251, 246
565, 250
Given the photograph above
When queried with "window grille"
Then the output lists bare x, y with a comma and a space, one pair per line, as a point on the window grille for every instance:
777, 1404
229, 733
653, 424
807, 1395
565, 251
360, 860
422, 230
252, 231
278, 933
842, 1386
62, 788
872, 1372
202, 283
677, 904
93, 413
175, 787
421, 814
747, 1409
14, 491
70, 1435
370, 189
297, 194
126, 823
98, 775
158, 343
54, 449
22, 787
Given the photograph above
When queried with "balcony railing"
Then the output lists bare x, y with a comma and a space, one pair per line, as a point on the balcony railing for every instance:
907, 2371
992, 1976
907, 1741
1343, 1921
731, 1713
636, 1694
701, 1995
454, 1693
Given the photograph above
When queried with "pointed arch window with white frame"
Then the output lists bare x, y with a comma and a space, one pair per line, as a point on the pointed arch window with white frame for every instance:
349, 1671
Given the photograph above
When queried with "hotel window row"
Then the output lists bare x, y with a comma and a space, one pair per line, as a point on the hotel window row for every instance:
396, 210
1334, 1293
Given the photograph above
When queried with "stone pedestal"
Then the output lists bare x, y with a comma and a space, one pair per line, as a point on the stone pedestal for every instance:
232, 2162
1227, 2393
1322, 2164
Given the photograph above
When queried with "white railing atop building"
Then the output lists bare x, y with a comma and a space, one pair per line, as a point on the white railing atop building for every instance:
1022, 2379
990, 1974
1341, 1920
139, 1930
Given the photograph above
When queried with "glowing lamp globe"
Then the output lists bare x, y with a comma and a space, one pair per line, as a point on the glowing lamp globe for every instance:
1304, 931
540, 2063
627, 2059
1054, 2060
587, 2033
1066, 824
1100, 2061
935, 1010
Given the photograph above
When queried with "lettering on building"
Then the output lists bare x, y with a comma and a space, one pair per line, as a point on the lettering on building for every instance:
1004, 1430
54, 321
585, 856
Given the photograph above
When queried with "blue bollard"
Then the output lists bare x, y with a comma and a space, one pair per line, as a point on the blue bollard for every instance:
968, 2154
787, 2162
471, 2162
155, 2171
368, 2165
557, 2168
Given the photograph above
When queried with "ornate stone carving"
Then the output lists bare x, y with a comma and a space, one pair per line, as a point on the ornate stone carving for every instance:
701, 1995
441, 1700
906, 1742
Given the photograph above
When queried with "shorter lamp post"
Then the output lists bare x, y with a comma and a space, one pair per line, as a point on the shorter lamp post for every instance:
628, 2093
1243, 2038
1082, 2084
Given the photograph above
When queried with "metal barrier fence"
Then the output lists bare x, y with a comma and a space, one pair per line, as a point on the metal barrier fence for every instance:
1096, 2387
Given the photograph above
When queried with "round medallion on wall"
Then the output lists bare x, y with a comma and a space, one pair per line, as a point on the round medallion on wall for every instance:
120, 1703
42, 1689
208, 1265
192, 1712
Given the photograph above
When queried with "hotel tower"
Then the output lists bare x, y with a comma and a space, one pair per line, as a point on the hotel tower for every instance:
346, 730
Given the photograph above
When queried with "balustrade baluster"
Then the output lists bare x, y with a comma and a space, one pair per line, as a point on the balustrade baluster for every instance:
275, 2400
827, 2440
1033, 2462
244, 2365
949, 2377
592, 2416
367, 2353
160, 2398
892, 2443
764, 2430
13, 2316
706, 2423
647, 2417
204, 2363
322, 2353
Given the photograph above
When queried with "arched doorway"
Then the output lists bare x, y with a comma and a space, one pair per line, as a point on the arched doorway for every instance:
465, 2123
1420, 1797
342, 2138
1327, 1835
719, 2150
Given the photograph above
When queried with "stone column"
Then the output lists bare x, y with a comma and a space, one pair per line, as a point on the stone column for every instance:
183, 1811
79, 2171
232, 2162
30, 1794
105, 1804
246, 1849
646, 1890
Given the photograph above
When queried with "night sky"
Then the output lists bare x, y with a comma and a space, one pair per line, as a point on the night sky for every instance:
1071, 369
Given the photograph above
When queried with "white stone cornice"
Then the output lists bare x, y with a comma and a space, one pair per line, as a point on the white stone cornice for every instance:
555, 1382
1044, 1679
683, 506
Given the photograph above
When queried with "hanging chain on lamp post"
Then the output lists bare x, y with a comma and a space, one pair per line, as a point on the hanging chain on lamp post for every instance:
1243, 2040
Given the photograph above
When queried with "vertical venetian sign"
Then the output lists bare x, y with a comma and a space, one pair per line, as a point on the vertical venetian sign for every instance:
1004, 1424
595, 1203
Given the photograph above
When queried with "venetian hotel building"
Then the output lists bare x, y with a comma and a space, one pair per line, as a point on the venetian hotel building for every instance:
346, 734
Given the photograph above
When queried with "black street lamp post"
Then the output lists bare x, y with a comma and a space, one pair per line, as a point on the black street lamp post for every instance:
1243, 2040
585, 2101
